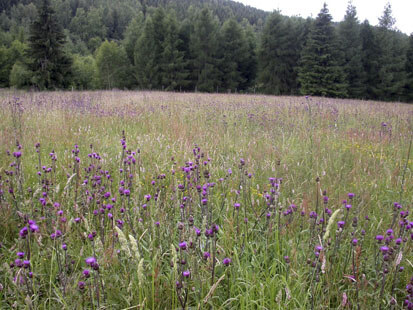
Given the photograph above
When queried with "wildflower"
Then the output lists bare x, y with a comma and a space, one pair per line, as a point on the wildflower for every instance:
384, 249
379, 238
86, 273
236, 206
206, 255
23, 232
17, 154
186, 273
226, 261
354, 242
90, 261
183, 245
341, 224
81, 285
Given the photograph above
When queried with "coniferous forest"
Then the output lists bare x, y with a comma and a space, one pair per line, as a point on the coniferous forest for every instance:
206, 46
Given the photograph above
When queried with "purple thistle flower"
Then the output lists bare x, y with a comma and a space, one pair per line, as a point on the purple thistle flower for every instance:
86, 273
81, 285
384, 249
34, 227
186, 273
350, 195
379, 238
341, 224
23, 232
236, 206
206, 255
226, 261
90, 261
183, 245
20, 254
354, 242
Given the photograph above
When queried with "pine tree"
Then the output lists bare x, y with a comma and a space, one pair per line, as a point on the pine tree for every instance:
148, 52
249, 66
391, 61
350, 43
233, 52
278, 56
371, 53
204, 45
51, 66
408, 87
320, 73
174, 75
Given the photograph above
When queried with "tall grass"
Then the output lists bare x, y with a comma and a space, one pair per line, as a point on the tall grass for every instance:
152, 200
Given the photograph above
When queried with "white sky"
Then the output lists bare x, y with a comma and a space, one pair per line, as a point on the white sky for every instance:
366, 9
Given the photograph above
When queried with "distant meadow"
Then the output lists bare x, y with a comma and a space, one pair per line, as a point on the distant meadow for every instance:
162, 200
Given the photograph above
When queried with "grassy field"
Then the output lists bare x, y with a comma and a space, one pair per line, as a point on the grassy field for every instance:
153, 200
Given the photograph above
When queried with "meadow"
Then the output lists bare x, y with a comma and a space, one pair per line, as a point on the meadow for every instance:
156, 200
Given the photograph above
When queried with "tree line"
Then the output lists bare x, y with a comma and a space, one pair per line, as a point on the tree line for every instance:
193, 46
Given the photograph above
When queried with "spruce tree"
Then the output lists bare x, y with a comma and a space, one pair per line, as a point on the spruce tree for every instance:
408, 87
320, 73
149, 52
233, 52
350, 44
174, 75
391, 61
370, 58
249, 66
204, 45
278, 56
51, 66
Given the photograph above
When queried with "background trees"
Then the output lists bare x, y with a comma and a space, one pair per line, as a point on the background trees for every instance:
200, 45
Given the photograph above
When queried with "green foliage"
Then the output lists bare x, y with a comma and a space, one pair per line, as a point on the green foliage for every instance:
408, 87
320, 72
204, 44
113, 66
278, 56
148, 53
370, 60
233, 54
85, 72
174, 66
351, 46
20, 75
392, 59
132, 34
51, 66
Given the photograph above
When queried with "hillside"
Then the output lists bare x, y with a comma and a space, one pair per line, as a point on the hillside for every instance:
208, 46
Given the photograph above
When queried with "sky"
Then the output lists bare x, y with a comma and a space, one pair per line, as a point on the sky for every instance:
366, 9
